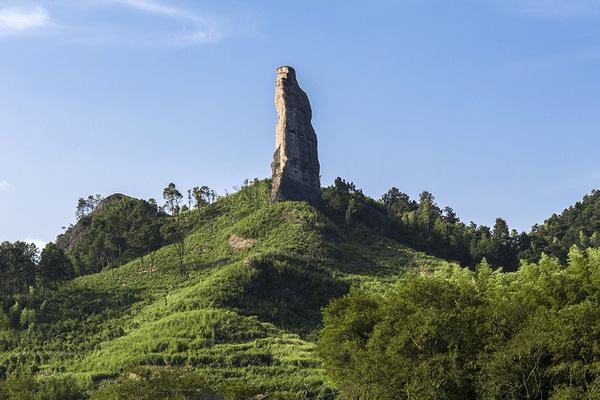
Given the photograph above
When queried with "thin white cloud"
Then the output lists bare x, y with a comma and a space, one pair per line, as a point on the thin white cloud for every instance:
203, 29
75, 22
4, 186
18, 20
152, 7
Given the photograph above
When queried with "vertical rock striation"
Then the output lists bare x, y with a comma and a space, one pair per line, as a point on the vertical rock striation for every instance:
295, 164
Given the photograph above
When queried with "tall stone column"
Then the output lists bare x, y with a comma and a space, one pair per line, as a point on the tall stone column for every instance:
295, 164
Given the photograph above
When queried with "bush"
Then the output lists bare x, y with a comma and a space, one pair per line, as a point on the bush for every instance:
237, 390
144, 383
30, 388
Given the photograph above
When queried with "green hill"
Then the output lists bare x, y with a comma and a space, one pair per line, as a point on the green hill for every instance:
235, 292
239, 297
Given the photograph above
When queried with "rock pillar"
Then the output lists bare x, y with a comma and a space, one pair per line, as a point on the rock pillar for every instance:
295, 164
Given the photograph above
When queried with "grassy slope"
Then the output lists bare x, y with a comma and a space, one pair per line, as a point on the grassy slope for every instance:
250, 312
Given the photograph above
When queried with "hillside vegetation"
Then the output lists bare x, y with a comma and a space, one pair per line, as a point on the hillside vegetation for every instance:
577, 225
238, 299
460, 334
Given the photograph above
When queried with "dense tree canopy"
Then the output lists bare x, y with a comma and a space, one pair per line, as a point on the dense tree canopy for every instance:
54, 265
579, 224
18, 262
531, 334
423, 225
124, 230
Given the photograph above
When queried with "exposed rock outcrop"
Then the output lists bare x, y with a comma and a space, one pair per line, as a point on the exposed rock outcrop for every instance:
68, 240
236, 242
295, 164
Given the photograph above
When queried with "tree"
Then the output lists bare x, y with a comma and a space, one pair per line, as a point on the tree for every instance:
54, 265
93, 201
116, 235
500, 229
172, 198
419, 341
397, 202
348, 324
174, 233
86, 206
205, 195
17, 267
148, 239
81, 208
575, 225
428, 210
97, 252
426, 198
392, 196
347, 187
352, 208
450, 216
501, 253
144, 383
202, 196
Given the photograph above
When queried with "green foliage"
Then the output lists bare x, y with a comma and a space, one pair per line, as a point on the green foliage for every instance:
530, 334
86, 206
232, 291
343, 203
577, 225
18, 388
54, 265
174, 233
426, 227
123, 231
405, 344
202, 196
245, 314
47, 388
172, 198
237, 390
145, 383
17, 267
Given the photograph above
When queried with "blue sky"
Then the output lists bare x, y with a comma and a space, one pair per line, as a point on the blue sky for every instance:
491, 105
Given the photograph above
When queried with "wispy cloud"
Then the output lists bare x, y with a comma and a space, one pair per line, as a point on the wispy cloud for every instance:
88, 22
153, 7
19, 20
192, 26
4, 186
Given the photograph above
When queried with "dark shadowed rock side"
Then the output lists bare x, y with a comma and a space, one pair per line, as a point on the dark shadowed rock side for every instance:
295, 164
68, 240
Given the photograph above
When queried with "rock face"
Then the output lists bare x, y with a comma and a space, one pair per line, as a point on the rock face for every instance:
295, 164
